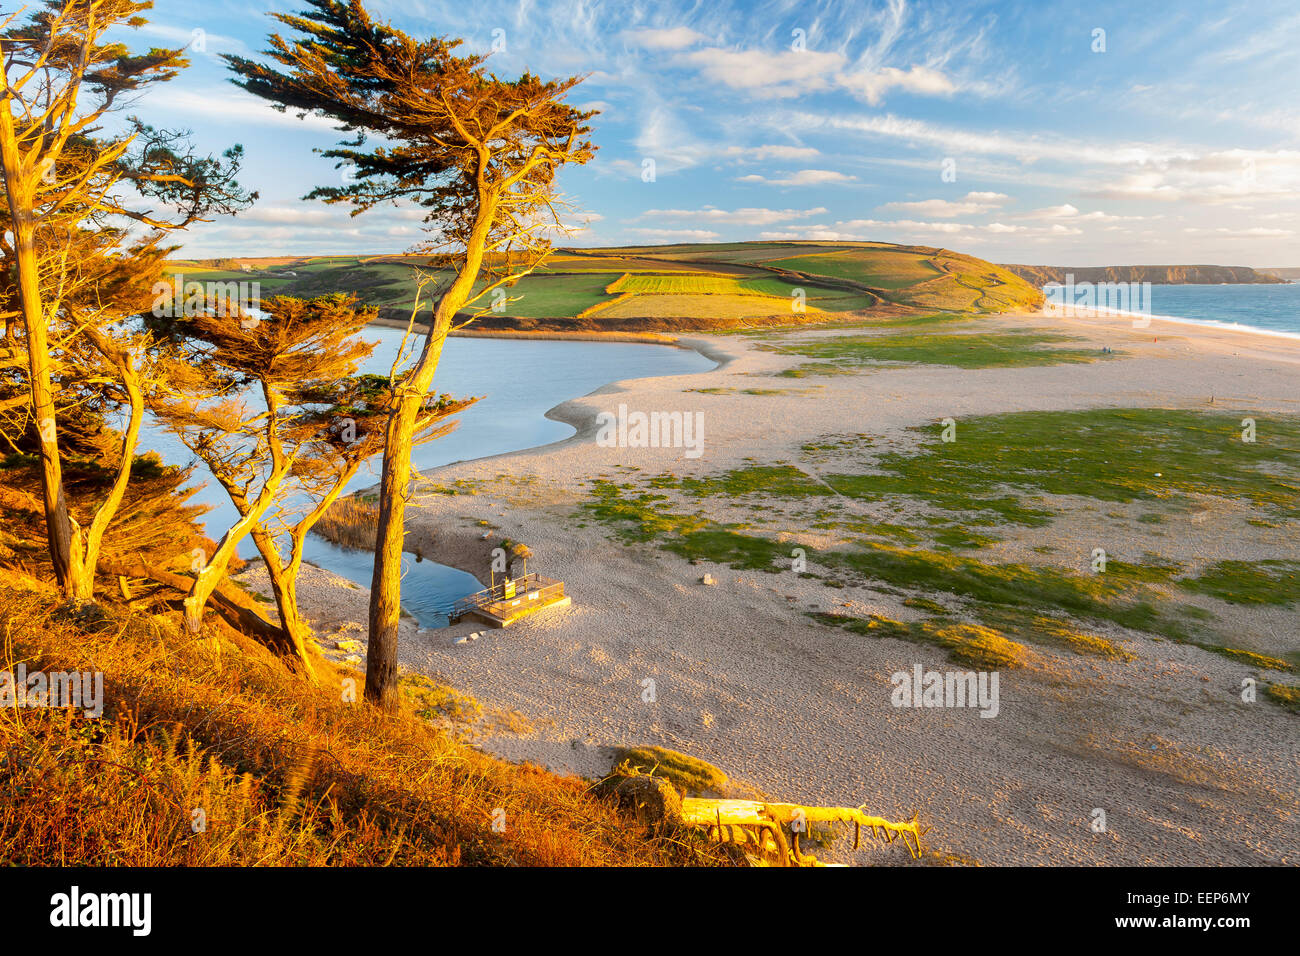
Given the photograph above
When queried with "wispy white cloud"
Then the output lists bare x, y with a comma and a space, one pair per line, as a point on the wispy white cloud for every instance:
749, 216
804, 177
761, 153
856, 230
1253, 232
789, 73
197, 39
676, 235
669, 38
782, 74
921, 80
226, 104
971, 204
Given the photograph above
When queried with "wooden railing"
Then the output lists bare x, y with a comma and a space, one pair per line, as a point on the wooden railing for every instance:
529, 589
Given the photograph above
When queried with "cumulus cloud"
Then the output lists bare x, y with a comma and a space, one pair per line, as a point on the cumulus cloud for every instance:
1217, 176
1070, 212
1065, 211
873, 85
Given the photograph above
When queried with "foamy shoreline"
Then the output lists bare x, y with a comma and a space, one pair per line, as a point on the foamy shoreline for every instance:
1050, 313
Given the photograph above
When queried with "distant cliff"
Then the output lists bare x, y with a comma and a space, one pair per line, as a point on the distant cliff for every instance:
1156, 275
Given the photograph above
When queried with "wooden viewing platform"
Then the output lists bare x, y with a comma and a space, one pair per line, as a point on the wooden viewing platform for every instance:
504, 603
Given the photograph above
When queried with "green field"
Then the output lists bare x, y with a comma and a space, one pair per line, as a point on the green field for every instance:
720, 284
899, 271
709, 306
682, 285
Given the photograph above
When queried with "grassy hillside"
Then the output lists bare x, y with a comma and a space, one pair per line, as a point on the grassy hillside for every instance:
283, 773
668, 288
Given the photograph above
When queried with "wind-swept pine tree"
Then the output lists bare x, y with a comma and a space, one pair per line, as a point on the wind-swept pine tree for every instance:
68, 184
479, 153
274, 407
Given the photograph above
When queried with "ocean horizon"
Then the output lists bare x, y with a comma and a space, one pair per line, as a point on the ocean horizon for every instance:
1271, 308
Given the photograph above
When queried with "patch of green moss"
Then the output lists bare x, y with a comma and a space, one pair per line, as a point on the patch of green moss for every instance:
991, 349
925, 604
1284, 694
1262, 661
688, 773
1089, 596
982, 648
724, 546
1248, 582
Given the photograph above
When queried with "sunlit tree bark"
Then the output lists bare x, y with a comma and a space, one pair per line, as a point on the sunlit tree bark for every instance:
479, 153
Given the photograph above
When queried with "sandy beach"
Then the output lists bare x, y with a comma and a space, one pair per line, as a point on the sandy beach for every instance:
1185, 771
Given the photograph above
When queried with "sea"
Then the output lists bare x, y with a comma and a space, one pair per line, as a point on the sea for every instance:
1272, 308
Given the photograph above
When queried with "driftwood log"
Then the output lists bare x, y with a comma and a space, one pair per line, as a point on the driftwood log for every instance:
760, 832
760, 828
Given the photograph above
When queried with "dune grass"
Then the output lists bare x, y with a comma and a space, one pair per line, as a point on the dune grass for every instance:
350, 523
640, 517
1025, 588
696, 777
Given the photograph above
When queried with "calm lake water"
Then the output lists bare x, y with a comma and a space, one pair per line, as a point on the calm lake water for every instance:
520, 380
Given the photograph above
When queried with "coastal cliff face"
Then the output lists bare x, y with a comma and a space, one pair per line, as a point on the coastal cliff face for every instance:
1156, 275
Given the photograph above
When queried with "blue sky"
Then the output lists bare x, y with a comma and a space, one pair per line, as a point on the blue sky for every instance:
1174, 136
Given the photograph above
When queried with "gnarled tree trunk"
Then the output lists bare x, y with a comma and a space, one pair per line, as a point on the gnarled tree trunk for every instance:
394, 485
63, 534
